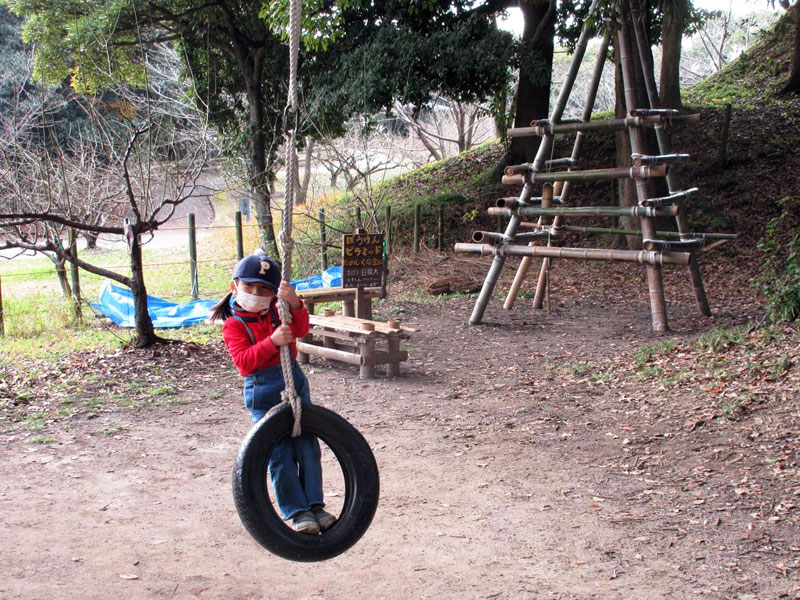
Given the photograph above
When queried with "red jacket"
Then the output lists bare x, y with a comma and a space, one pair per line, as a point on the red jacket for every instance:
250, 357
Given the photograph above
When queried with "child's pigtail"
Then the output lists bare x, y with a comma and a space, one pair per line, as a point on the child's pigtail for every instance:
221, 310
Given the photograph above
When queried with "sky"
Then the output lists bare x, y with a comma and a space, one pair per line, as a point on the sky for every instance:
513, 22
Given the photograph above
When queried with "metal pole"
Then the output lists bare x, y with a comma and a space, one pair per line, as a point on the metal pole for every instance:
193, 258
73, 269
323, 242
239, 239
542, 154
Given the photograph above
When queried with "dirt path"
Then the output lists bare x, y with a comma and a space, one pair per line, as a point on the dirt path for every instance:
498, 480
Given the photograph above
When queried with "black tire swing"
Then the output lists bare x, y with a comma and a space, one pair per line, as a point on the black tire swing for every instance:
251, 493
360, 471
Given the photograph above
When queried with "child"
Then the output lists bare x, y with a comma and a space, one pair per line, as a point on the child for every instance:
253, 338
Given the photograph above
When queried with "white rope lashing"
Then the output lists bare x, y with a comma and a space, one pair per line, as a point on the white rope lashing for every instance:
287, 243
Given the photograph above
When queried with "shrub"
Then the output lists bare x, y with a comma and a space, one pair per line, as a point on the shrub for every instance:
778, 278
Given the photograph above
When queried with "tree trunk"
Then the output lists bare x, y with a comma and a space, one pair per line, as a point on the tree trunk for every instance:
145, 333
91, 239
533, 90
259, 177
793, 85
672, 26
61, 271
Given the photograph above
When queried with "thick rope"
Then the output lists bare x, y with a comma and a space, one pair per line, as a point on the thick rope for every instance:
287, 243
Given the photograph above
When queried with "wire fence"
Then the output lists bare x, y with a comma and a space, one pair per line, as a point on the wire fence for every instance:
177, 280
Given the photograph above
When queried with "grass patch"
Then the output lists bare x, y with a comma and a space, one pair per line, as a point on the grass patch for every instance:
42, 439
720, 338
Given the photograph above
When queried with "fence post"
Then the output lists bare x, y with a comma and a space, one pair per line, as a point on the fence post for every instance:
440, 229
73, 269
193, 258
239, 239
358, 217
322, 240
416, 227
722, 159
388, 229
2, 321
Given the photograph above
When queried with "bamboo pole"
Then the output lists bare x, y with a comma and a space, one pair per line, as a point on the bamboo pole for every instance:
547, 127
673, 198
542, 154
576, 211
515, 175
664, 147
639, 160
655, 284
661, 234
543, 284
608, 254
561, 191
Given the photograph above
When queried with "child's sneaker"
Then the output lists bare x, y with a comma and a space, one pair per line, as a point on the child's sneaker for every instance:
324, 518
304, 522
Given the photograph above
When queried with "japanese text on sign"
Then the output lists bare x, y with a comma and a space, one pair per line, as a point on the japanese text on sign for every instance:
362, 259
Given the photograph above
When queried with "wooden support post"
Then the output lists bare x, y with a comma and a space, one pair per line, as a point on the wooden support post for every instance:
440, 229
363, 304
393, 368
2, 318
239, 238
722, 160
193, 258
417, 211
328, 342
358, 218
388, 229
322, 239
366, 349
76, 284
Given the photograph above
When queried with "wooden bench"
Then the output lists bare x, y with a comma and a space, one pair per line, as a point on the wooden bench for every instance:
352, 304
355, 341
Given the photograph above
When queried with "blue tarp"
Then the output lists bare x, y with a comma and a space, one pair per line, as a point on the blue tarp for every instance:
116, 303
331, 277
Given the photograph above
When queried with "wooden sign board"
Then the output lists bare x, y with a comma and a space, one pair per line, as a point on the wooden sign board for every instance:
362, 260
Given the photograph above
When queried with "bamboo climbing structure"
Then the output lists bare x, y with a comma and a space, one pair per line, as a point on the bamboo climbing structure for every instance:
555, 176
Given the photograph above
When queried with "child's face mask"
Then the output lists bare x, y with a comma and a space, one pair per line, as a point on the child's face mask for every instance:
252, 302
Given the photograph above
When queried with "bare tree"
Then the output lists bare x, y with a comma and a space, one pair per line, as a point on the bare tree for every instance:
448, 127
142, 158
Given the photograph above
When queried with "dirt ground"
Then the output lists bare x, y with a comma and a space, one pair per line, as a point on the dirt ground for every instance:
507, 471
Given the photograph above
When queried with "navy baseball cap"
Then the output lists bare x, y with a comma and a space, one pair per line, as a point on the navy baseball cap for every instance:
258, 268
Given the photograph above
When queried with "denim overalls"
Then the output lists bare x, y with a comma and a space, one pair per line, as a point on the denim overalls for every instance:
294, 466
